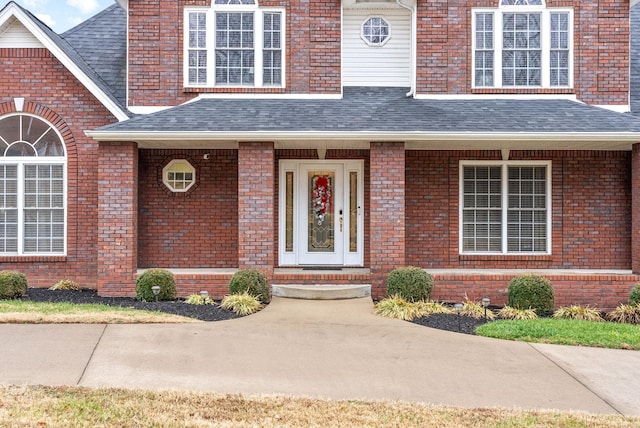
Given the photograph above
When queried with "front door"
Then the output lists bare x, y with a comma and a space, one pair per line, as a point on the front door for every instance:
322, 206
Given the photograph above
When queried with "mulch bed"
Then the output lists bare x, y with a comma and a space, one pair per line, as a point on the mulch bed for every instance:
450, 322
177, 307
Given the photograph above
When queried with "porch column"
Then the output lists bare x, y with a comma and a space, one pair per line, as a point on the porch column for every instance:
387, 212
117, 218
635, 208
256, 215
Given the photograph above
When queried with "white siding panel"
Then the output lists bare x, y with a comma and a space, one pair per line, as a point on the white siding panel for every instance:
14, 35
387, 65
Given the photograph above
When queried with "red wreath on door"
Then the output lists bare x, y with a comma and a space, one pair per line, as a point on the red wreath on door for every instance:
321, 198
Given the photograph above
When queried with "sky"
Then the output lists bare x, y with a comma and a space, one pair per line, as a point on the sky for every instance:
60, 15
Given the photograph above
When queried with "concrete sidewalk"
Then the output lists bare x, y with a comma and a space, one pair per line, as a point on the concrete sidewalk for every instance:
326, 349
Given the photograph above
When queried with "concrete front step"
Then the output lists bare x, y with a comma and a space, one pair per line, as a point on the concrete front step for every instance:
322, 292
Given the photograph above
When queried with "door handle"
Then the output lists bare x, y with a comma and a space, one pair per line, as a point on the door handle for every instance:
341, 220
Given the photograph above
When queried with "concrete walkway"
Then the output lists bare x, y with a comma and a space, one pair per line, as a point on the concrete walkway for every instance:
326, 349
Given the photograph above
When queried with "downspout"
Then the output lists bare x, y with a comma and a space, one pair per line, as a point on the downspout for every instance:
413, 34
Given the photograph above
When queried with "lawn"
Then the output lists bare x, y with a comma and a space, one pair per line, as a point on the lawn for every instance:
79, 407
26, 312
565, 332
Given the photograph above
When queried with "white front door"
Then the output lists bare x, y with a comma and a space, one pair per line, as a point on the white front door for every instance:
321, 213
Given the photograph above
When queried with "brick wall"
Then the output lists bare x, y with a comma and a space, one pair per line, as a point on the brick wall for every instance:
156, 50
313, 50
195, 229
54, 94
591, 202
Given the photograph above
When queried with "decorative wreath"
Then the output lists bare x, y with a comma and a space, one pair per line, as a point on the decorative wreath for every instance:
321, 197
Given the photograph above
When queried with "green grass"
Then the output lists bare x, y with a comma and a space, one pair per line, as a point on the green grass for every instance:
21, 311
565, 332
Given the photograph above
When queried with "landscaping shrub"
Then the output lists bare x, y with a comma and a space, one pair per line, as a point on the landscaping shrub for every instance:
397, 307
198, 299
509, 313
428, 308
531, 292
634, 297
629, 314
577, 312
241, 303
65, 284
476, 310
152, 277
411, 283
253, 282
12, 284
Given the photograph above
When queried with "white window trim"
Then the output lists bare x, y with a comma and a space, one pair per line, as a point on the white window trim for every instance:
545, 45
21, 162
364, 38
168, 166
258, 37
504, 198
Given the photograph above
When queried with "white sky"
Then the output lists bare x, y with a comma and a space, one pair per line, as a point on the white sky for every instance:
61, 15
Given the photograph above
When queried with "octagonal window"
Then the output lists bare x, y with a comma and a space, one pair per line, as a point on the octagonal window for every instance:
376, 31
179, 175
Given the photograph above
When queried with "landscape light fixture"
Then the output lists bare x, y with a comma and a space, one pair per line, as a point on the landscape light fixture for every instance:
156, 291
485, 303
458, 308
205, 295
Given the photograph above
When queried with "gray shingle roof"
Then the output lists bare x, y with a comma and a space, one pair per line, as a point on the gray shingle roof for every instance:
102, 43
78, 59
381, 110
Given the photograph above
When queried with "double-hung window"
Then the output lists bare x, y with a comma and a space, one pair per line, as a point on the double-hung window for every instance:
234, 43
32, 187
522, 44
505, 208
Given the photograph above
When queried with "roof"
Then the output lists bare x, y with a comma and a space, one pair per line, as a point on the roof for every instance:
101, 41
72, 58
377, 113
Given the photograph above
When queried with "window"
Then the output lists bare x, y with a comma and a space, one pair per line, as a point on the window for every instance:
234, 44
376, 31
522, 44
179, 175
32, 187
505, 208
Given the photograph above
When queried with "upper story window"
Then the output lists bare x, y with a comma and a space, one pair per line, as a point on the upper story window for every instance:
32, 187
376, 31
523, 44
505, 207
234, 43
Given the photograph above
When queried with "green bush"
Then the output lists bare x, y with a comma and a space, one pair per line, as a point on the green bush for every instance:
12, 284
531, 292
241, 304
634, 297
152, 277
411, 283
253, 282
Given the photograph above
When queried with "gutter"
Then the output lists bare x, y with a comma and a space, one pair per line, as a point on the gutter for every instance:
414, 12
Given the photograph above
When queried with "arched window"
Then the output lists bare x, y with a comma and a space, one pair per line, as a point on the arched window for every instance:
32, 187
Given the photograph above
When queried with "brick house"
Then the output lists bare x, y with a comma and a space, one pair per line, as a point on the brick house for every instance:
324, 142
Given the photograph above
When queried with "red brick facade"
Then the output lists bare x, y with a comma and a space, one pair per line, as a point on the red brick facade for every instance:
121, 217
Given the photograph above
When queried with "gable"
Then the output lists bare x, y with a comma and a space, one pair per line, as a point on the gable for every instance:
15, 35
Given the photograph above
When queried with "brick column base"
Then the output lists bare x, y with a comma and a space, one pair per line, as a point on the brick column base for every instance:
387, 213
117, 218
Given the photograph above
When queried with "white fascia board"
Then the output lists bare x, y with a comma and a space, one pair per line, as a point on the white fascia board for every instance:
624, 108
123, 4
633, 3
266, 96
366, 135
148, 109
27, 22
